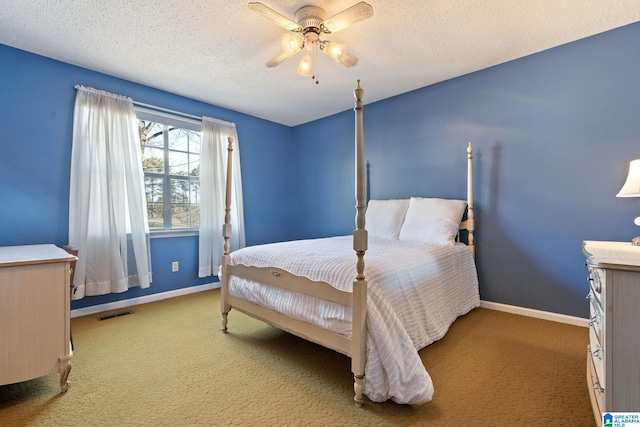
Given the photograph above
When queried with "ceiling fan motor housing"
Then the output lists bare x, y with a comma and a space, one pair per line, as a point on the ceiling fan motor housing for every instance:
310, 18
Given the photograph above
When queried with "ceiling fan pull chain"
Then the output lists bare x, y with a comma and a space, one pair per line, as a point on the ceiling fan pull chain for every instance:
316, 65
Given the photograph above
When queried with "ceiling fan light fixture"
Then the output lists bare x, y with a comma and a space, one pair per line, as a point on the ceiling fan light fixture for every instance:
310, 23
290, 43
334, 50
305, 67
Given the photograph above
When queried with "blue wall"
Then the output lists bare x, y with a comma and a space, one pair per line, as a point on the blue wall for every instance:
553, 134
36, 119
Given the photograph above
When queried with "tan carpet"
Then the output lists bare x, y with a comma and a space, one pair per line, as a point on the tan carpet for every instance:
168, 364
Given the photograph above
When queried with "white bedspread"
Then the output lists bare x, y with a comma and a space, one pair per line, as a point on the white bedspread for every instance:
415, 292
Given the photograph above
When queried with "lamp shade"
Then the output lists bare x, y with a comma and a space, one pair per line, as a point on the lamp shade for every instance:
631, 187
305, 66
290, 43
335, 50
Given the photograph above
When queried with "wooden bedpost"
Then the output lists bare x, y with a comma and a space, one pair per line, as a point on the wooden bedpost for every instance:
470, 218
226, 233
359, 295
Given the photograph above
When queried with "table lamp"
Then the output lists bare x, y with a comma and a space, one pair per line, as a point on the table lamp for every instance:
631, 188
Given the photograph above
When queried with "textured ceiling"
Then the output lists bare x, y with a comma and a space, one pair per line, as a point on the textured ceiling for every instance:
215, 51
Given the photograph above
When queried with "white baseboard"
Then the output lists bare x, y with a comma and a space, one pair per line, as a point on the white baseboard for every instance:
142, 300
546, 315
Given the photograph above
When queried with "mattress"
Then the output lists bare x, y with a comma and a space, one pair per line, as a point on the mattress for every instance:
415, 292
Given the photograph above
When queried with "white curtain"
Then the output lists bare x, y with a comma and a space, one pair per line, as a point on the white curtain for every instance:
107, 207
213, 176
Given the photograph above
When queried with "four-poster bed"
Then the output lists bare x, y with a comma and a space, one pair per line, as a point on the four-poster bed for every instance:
406, 302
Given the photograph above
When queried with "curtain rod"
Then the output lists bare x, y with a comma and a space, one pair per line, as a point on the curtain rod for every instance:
102, 92
166, 110
151, 107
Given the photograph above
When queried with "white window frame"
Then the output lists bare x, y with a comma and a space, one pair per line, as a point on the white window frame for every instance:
177, 121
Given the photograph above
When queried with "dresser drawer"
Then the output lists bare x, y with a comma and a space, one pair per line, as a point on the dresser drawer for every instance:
596, 349
596, 392
596, 284
596, 321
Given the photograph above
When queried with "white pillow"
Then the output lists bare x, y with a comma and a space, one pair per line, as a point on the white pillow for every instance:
384, 217
431, 220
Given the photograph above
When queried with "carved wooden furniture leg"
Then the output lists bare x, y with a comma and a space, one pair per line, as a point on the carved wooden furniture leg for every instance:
226, 234
224, 321
358, 387
360, 244
64, 368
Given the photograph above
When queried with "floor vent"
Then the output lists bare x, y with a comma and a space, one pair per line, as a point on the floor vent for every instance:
111, 316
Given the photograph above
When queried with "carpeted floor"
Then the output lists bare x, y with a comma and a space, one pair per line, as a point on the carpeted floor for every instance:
168, 364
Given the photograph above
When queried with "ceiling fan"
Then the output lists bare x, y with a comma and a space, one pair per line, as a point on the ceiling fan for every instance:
310, 23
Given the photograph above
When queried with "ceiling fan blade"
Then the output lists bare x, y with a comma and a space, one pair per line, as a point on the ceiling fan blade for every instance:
340, 55
348, 60
347, 17
280, 58
271, 14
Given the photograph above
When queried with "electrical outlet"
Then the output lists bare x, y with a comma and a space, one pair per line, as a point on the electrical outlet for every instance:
174, 266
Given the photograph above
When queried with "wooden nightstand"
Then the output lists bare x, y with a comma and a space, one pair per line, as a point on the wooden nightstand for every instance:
34, 313
613, 359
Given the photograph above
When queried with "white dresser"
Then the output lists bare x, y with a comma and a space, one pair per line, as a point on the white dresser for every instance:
613, 358
34, 313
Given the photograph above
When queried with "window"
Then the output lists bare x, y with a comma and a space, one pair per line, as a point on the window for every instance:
171, 164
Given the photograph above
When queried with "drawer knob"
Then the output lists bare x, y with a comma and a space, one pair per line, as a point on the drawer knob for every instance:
597, 287
594, 280
596, 386
597, 352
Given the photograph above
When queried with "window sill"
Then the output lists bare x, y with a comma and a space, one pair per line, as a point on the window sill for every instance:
160, 234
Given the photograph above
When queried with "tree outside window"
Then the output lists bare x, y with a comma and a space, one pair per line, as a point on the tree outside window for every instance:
171, 164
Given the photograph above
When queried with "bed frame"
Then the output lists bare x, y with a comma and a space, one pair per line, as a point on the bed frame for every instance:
354, 347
